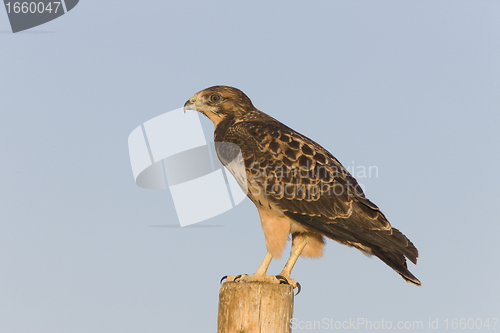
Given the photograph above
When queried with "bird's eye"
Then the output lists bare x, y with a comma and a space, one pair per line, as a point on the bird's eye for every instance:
215, 98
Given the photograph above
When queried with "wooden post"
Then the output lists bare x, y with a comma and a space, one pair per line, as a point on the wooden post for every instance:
255, 307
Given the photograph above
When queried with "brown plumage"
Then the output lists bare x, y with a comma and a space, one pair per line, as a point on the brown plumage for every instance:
299, 188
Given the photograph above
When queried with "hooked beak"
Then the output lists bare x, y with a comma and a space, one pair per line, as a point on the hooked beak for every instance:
190, 104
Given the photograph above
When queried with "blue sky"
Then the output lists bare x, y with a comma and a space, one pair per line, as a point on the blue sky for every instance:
409, 87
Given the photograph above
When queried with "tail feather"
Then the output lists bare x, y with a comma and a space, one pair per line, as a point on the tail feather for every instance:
397, 262
391, 246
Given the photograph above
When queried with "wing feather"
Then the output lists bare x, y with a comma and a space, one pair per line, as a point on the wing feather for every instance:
311, 186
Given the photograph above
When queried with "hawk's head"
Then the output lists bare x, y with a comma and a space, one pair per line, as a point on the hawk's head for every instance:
219, 103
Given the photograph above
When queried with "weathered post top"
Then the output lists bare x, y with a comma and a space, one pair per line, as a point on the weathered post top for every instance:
255, 307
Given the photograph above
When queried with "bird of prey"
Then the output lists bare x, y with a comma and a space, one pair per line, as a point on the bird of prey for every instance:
299, 188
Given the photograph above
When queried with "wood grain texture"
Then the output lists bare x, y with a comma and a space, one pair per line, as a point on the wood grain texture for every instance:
255, 307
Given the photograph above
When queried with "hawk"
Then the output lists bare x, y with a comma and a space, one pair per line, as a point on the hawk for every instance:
299, 189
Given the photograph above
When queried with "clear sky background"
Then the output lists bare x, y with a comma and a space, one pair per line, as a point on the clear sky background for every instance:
411, 87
